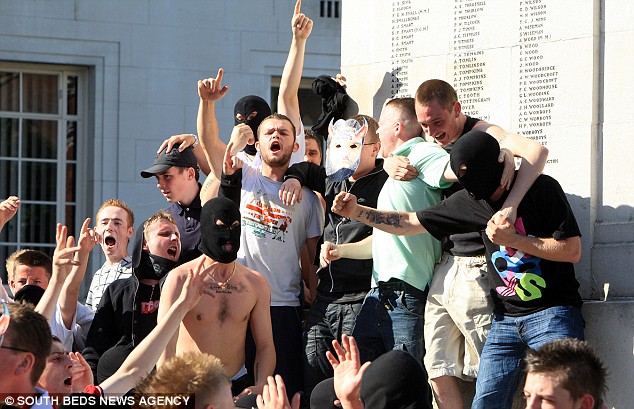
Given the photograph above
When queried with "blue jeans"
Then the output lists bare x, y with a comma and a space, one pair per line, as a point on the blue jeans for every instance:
391, 317
502, 361
325, 322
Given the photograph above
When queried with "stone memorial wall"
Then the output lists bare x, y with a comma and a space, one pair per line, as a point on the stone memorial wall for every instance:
555, 71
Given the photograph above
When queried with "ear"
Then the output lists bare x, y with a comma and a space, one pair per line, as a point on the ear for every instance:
257, 145
587, 401
457, 109
376, 148
130, 232
191, 173
295, 147
26, 365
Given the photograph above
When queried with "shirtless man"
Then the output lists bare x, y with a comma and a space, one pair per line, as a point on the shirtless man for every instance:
218, 325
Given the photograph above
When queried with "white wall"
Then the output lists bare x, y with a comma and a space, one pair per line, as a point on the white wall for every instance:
491, 50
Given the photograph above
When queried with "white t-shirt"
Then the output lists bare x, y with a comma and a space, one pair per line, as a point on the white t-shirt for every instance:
78, 329
273, 234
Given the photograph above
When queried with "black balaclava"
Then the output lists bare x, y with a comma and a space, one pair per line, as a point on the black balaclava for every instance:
395, 380
146, 265
246, 105
479, 151
214, 238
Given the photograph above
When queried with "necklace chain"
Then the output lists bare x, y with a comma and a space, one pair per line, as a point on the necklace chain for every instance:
223, 285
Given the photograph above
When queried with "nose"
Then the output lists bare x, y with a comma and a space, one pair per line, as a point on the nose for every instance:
174, 237
531, 403
429, 130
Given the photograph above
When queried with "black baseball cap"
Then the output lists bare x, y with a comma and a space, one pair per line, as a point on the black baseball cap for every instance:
166, 160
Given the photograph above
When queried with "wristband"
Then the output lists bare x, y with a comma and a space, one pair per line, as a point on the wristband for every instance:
195, 141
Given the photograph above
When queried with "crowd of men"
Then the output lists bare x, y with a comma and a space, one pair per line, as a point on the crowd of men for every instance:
433, 260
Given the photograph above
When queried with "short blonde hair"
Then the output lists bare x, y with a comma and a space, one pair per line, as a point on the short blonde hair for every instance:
194, 373
31, 258
160, 215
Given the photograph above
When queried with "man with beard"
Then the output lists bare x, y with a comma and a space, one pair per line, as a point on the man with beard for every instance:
218, 325
272, 238
114, 227
250, 111
127, 312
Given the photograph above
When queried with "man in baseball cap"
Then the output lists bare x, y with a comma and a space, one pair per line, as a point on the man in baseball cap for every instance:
177, 176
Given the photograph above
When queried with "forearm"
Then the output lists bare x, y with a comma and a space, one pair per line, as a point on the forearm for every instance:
390, 221
209, 136
308, 174
231, 186
46, 305
144, 357
69, 294
288, 102
201, 159
263, 366
360, 250
566, 250
534, 156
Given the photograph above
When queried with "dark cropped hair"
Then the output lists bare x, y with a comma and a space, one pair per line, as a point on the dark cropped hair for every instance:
439, 90
576, 365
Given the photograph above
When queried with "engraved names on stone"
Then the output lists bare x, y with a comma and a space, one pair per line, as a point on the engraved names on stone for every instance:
538, 75
408, 25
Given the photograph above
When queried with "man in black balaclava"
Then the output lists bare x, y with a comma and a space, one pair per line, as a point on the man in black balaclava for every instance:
218, 325
129, 307
251, 110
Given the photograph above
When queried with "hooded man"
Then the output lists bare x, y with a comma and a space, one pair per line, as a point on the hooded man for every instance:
129, 307
218, 325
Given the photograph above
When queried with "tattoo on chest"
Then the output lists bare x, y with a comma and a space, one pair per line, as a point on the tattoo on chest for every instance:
229, 288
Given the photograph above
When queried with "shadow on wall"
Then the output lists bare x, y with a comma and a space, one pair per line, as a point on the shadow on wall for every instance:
607, 250
388, 89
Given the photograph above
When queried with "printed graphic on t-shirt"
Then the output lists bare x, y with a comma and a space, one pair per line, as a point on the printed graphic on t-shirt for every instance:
520, 272
149, 307
265, 218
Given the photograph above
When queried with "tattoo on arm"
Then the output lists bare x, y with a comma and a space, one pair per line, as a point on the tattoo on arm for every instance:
256, 373
205, 187
381, 217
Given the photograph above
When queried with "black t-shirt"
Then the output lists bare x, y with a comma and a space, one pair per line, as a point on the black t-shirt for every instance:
520, 283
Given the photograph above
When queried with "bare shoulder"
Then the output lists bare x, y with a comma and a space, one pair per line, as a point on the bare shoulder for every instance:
182, 270
253, 276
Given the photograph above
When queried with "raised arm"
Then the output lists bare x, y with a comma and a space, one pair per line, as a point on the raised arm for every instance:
533, 156
287, 101
186, 140
63, 261
210, 90
390, 221
70, 291
8, 209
